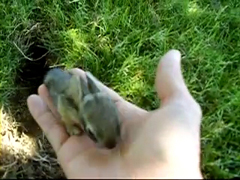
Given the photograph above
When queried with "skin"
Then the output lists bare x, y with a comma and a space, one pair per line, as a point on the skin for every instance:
164, 143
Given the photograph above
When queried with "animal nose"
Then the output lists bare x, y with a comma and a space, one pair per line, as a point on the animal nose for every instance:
111, 144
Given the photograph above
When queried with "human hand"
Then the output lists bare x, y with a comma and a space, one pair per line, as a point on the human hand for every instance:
164, 143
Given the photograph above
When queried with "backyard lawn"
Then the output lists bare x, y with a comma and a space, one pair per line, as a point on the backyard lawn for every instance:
120, 42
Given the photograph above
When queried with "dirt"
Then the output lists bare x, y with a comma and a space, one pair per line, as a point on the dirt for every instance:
25, 152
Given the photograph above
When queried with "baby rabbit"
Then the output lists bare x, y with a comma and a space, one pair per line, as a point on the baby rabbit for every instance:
84, 107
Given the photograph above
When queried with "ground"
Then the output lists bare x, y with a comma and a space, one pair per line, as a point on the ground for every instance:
120, 42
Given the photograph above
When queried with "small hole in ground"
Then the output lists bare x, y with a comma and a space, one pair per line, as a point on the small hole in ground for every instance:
29, 77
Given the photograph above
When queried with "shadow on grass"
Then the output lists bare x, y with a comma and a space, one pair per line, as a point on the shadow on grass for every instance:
18, 157
29, 76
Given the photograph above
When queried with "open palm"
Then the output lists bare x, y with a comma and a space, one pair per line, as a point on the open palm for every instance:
164, 143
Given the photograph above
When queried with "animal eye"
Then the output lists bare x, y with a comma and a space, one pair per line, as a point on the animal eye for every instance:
91, 135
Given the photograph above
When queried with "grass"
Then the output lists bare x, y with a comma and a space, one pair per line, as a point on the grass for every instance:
121, 42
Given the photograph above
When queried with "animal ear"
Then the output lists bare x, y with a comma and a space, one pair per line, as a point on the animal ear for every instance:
84, 87
79, 83
91, 80
75, 89
66, 109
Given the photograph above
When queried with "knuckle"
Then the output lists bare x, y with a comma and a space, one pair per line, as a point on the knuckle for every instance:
196, 108
191, 105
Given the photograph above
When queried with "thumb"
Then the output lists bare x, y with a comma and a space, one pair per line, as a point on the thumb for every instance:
169, 81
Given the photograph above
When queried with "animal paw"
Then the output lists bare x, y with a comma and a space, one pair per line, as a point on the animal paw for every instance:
74, 130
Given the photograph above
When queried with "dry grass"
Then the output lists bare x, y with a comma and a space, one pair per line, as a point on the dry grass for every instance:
23, 156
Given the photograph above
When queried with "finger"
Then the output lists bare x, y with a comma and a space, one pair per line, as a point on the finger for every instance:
53, 129
172, 90
169, 81
44, 94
